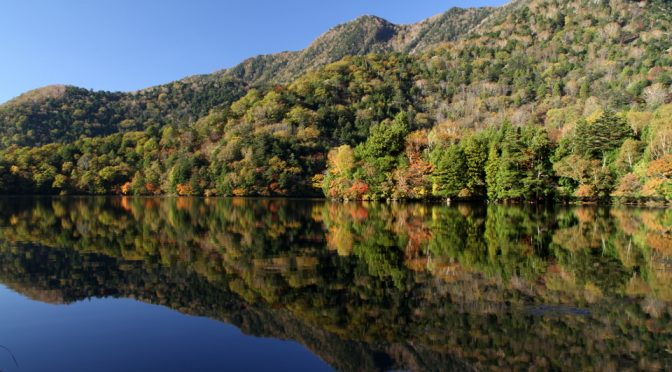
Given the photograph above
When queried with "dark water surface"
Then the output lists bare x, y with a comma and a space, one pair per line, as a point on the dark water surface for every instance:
121, 284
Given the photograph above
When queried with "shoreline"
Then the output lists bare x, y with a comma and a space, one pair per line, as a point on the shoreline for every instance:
547, 203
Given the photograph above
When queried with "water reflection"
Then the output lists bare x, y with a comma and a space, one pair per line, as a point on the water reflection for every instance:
369, 286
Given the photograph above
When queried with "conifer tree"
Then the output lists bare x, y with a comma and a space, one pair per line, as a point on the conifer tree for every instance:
607, 133
491, 170
450, 172
475, 150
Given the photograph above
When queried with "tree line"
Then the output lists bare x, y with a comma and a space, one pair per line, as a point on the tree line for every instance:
599, 158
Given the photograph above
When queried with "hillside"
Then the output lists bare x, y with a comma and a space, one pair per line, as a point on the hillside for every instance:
367, 34
66, 113
541, 99
63, 114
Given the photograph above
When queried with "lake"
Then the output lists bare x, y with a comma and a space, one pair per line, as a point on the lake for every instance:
177, 284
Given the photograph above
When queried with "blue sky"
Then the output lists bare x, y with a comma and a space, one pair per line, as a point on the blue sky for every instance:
132, 44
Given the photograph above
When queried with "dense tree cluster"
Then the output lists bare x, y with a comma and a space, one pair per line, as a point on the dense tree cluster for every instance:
269, 143
596, 159
64, 114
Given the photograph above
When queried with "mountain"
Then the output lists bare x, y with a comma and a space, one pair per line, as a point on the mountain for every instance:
367, 34
539, 99
65, 113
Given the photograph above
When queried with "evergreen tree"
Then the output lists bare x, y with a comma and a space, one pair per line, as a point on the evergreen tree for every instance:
509, 173
607, 133
519, 166
450, 171
538, 182
491, 170
475, 148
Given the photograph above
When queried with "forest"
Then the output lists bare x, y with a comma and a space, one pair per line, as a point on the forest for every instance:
544, 100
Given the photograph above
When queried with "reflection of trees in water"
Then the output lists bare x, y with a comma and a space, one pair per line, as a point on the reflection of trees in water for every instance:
368, 284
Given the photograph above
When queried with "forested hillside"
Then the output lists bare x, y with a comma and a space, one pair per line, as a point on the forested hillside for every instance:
535, 100
65, 113
62, 114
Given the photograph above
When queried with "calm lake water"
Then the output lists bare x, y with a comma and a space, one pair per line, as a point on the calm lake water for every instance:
120, 284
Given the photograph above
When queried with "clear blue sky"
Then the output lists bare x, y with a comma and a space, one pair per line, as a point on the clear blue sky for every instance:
132, 44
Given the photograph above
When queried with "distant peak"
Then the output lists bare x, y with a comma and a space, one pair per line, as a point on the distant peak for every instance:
39, 94
372, 18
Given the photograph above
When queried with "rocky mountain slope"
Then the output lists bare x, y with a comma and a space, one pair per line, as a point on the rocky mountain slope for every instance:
367, 34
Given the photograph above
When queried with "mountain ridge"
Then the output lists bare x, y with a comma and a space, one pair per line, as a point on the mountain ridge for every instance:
284, 56
373, 35
30, 119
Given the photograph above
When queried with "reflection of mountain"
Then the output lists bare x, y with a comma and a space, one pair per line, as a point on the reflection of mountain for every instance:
93, 275
367, 286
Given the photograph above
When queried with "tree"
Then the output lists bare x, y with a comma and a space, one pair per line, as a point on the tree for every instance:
138, 184
628, 188
60, 183
519, 166
450, 168
655, 95
660, 132
629, 154
659, 178
537, 182
387, 138
491, 171
607, 133
341, 160
475, 148
181, 173
572, 170
504, 173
